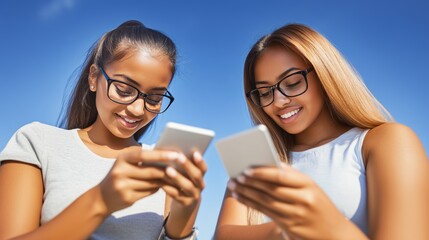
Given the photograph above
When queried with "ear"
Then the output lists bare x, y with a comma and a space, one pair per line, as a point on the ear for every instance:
92, 78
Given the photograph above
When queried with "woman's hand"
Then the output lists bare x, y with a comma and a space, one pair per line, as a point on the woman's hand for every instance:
184, 187
292, 200
134, 176
186, 184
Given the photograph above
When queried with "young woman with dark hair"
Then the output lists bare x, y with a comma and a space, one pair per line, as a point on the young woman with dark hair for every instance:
93, 180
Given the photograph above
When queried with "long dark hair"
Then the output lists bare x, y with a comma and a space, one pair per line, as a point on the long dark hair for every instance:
112, 46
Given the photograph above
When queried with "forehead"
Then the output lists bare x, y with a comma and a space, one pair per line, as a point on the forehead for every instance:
274, 61
144, 68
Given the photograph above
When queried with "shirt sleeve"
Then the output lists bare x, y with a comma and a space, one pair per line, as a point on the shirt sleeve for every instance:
25, 145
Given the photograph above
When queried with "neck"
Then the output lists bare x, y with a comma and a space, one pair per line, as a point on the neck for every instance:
323, 130
98, 134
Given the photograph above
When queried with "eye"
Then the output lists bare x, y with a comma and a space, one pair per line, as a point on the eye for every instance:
293, 82
264, 92
294, 85
154, 99
124, 90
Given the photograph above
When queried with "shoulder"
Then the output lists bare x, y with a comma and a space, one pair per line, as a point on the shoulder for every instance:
392, 144
30, 130
391, 128
397, 175
36, 126
36, 132
389, 135
27, 144
37, 129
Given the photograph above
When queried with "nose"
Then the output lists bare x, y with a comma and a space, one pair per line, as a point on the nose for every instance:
137, 107
280, 99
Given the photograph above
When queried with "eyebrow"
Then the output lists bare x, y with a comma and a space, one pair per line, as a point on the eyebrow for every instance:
127, 78
134, 82
281, 76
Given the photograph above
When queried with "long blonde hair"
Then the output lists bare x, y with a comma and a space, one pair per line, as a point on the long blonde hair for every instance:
346, 96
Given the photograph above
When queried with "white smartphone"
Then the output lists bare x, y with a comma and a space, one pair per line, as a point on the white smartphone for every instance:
184, 138
253, 147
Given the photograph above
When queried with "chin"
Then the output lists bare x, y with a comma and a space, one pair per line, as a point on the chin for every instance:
122, 134
292, 129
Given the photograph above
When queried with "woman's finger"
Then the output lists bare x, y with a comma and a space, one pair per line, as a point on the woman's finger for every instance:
125, 169
284, 175
199, 162
157, 158
190, 170
152, 165
279, 192
142, 186
177, 195
176, 160
275, 215
260, 197
172, 191
142, 157
181, 182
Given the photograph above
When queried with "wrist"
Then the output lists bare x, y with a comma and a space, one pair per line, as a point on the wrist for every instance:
183, 208
99, 205
164, 235
180, 222
279, 233
348, 229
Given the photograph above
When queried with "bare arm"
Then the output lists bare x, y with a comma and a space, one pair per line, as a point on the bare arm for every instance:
21, 194
232, 223
398, 183
22, 190
20, 202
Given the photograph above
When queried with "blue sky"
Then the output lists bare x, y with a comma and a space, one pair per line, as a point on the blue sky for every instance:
44, 42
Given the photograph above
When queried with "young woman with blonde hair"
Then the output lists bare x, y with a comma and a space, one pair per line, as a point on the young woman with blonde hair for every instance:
351, 172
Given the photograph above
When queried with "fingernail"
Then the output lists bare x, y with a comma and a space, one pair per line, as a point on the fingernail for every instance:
181, 158
231, 185
241, 179
234, 195
248, 172
171, 172
198, 157
172, 155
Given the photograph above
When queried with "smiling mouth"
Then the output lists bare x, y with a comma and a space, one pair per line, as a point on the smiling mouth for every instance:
290, 114
127, 120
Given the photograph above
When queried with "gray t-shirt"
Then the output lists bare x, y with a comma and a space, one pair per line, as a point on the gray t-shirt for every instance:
69, 169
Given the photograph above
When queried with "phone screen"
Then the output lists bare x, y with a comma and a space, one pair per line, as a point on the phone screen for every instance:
246, 149
185, 139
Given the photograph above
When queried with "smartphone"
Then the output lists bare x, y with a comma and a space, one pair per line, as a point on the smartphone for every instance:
250, 148
184, 138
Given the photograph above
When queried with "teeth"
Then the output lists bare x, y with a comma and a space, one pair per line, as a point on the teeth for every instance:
290, 114
129, 121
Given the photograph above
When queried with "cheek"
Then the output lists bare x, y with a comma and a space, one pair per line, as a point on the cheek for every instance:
269, 110
100, 101
104, 104
265, 110
316, 98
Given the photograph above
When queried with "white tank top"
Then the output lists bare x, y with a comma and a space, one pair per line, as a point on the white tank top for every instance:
338, 168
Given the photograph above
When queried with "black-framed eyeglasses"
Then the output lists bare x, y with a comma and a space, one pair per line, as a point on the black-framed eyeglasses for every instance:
124, 93
291, 85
